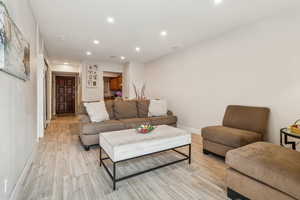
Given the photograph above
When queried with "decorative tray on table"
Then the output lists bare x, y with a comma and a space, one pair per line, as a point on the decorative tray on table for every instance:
295, 128
145, 128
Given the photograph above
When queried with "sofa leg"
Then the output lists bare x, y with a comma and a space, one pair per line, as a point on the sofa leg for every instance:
87, 148
206, 152
234, 195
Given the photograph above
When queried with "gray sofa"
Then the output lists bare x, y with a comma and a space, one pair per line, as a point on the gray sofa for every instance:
123, 115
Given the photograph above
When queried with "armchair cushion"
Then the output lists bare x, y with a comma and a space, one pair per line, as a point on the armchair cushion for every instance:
231, 137
247, 118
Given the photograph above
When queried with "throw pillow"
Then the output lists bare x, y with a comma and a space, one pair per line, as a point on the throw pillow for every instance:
97, 111
126, 109
157, 108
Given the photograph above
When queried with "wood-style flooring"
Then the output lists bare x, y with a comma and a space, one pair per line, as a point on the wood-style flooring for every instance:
63, 170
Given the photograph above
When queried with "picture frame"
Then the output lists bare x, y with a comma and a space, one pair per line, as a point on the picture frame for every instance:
92, 76
14, 49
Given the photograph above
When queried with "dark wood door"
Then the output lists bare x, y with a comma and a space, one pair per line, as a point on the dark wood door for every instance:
65, 95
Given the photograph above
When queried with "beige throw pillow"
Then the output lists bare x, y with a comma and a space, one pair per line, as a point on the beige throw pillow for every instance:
97, 111
157, 108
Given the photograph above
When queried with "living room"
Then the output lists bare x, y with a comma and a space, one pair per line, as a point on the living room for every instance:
203, 103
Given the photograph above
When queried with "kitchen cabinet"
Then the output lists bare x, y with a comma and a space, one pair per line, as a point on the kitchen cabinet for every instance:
116, 83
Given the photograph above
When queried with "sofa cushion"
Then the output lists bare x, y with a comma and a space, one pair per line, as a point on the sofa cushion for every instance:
110, 109
99, 127
230, 136
216, 148
247, 118
125, 109
134, 122
167, 120
143, 108
271, 164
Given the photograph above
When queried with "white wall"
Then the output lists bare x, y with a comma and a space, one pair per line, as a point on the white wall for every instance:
73, 68
256, 65
126, 80
96, 94
18, 116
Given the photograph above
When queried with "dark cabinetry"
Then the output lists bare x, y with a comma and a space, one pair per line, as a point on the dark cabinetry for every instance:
116, 83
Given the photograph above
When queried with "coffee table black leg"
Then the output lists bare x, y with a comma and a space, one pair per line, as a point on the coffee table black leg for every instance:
190, 153
114, 176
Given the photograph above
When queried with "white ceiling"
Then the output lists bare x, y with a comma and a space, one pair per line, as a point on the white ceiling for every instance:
70, 26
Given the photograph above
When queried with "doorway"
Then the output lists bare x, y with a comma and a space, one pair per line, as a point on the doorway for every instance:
65, 94
113, 85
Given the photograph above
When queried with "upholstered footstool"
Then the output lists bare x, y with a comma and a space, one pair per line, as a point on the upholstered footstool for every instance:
263, 171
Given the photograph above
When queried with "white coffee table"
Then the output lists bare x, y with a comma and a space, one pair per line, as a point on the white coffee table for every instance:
125, 145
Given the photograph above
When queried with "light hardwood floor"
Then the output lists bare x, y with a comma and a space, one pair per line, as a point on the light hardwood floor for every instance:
63, 170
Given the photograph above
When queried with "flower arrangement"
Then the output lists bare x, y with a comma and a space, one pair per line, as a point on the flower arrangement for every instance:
145, 128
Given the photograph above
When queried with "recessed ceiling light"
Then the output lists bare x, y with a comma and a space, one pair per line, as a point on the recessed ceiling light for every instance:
110, 20
96, 42
122, 58
88, 53
66, 63
137, 49
217, 2
163, 33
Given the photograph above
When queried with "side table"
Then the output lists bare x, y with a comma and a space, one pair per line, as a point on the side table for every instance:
285, 133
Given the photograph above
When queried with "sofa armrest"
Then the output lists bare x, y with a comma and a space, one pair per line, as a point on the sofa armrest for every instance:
84, 118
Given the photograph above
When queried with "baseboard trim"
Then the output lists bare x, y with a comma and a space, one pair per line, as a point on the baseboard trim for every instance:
16, 191
190, 129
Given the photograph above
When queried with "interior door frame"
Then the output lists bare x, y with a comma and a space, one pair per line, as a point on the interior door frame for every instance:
112, 74
77, 92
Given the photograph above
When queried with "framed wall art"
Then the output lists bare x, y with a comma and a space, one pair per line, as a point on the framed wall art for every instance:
92, 76
14, 49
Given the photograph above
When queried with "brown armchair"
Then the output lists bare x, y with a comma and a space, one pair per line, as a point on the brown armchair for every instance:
242, 125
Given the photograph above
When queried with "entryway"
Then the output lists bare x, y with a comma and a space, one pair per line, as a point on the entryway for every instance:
65, 95
112, 84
